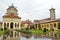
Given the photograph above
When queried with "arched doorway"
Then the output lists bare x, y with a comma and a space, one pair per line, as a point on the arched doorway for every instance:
11, 25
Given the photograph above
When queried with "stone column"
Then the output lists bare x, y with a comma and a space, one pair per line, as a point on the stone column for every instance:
37, 26
6, 24
57, 26
52, 25
34, 26
13, 25
3, 25
9, 25
19, 25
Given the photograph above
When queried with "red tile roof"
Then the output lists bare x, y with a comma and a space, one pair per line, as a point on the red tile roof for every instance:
26, 22
46, 20
49, 20
0, 22
11, 15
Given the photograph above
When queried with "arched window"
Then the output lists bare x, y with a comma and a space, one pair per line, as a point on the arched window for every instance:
51, 25
11, 25
59, 25
7, 24
45, 26
4, 25
55, 25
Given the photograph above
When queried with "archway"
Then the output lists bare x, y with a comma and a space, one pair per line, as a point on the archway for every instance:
59, 25
11, 25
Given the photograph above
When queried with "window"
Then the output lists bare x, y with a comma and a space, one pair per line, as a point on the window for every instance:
55, 25
50, 24
45, 26
59, 25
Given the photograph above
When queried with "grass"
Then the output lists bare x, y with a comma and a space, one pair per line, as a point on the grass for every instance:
1, 32
34, 31
58, 32
24, 31
4, 31
39, 31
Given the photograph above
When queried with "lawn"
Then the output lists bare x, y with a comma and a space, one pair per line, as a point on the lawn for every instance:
34, 31
58, 32
39, 31
1, 32
4, 31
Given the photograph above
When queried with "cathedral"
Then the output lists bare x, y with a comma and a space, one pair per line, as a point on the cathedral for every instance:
11, 20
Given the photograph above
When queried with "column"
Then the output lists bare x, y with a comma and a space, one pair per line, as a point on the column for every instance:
3, 25
9, 25
57, 26
37, 26
34, 26
13, 25
6, 24
19, 25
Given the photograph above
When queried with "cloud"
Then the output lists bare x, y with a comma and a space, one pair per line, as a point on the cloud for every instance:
31, 9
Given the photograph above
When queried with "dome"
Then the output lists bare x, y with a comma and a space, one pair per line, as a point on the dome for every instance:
12, 7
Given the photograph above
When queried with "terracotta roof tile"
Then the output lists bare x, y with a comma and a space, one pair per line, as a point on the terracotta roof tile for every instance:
46, 20
27, 21
11, 15
0, 22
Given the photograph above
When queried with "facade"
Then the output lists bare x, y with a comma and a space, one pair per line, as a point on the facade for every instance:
11, 20
49, 23
26, 24
0, 24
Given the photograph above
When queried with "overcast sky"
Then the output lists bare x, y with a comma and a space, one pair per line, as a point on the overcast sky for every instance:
31, 9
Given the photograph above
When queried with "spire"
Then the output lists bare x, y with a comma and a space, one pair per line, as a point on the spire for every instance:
51, 6
12, 4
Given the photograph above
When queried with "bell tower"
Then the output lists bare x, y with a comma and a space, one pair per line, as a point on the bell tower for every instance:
12, 10
52, 13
